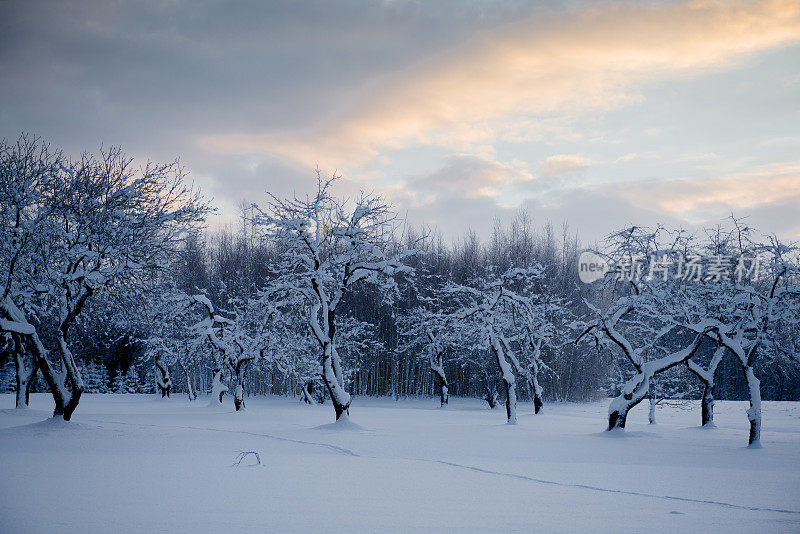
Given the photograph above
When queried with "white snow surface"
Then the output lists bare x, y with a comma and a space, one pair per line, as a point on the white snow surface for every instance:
134, 463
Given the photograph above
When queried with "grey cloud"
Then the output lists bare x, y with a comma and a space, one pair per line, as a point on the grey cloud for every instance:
157, 78
189, 67
463, 176
592, 214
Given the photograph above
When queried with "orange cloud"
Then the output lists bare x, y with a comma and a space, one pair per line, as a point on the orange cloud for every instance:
563, 163
589, 59
693, 199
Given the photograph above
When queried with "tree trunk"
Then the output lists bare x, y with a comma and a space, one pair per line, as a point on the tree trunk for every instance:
754, 412
706, 376
339, 397
72, 376
163, 380
509, 380
238, 397
189, 386
24, 376
511, 402
444, 396
238, 391
537, 403
537, 389
707, 406
617, 419
651, 416
308, 393
651, 396
436, 367
621, 405
436, 362
638, 386
533, 377
218, 388
54, 381
490, 396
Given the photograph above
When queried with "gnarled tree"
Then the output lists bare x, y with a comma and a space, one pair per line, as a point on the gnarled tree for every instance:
329, 247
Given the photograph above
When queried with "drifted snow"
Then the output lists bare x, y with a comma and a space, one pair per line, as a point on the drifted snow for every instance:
343, 423
135, 463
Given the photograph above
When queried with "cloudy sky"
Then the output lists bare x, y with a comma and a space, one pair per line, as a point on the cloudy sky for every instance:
460, 112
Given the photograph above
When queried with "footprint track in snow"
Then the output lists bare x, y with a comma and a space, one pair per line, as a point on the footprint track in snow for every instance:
348, 452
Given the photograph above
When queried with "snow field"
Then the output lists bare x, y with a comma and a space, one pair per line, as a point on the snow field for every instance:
129, 463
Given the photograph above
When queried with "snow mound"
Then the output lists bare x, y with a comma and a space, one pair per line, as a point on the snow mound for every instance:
51, 424
343, 423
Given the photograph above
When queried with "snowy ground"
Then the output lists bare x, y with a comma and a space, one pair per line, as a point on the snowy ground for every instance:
130, 463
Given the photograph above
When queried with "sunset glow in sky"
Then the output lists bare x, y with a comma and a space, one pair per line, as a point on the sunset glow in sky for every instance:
598, 113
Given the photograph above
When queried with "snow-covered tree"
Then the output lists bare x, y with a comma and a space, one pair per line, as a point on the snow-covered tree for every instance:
106, 224
545, 317
427, 333
498, 308
162, 311
96, 376
638, 324
715, 294
233, 348
163, 379
606, 328
291, 349
169, 318
431, 329
747, 315
131, 380
30, 196
331, 246
24, 373
358, 344
118, 383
